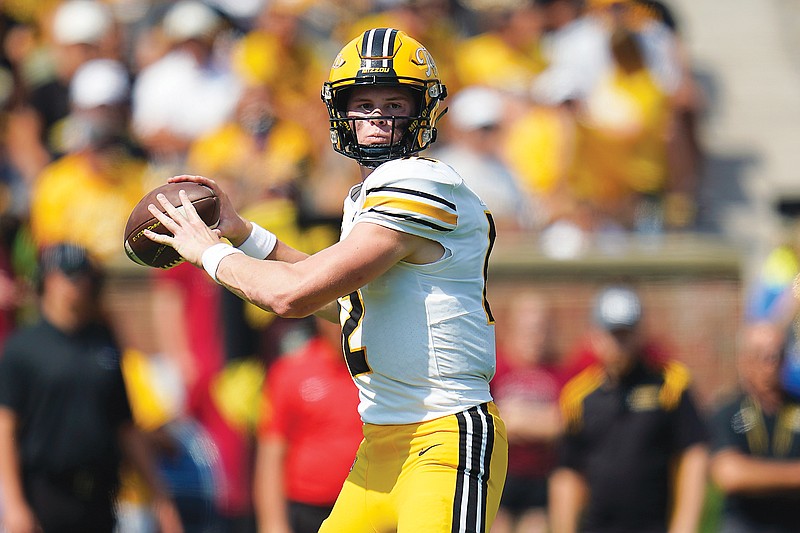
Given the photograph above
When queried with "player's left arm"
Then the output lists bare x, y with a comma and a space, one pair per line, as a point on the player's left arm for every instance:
689, 489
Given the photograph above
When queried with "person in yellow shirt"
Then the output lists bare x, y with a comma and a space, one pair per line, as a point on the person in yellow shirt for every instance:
506, 55
620, 163
85, 196
257, 151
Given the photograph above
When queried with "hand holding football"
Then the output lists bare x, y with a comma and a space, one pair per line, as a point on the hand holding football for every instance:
148, 253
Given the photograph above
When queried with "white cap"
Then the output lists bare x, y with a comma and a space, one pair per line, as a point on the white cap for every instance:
617, 307
99, 82
189, 19
476, 107
81, 22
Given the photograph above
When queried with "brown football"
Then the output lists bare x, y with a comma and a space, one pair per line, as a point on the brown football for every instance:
148, 253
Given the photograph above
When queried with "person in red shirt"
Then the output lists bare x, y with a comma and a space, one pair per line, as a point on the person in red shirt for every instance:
526, 388
308, 436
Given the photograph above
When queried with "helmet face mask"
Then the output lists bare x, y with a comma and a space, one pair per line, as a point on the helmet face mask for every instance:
384, 57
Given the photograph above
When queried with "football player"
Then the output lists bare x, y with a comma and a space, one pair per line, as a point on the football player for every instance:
407, 282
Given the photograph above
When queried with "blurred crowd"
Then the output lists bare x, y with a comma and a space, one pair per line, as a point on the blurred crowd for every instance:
575, 120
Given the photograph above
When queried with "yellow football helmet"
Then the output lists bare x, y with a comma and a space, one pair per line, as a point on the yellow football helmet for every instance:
385, 57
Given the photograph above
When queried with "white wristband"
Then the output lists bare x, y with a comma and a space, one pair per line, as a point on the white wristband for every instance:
214, 254
260, 243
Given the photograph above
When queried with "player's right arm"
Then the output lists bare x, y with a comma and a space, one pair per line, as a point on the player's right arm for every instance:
237, 229
303, 287
17, 514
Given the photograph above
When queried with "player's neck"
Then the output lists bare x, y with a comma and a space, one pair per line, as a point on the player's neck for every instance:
365, 171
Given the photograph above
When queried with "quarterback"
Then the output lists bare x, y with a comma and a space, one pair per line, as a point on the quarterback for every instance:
406, 281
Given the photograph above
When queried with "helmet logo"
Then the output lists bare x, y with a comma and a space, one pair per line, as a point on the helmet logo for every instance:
423, 57
338, 62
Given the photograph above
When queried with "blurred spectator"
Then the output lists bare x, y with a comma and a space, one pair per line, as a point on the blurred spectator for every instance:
477, 115
65, 420
526, 388
633, 457
86, 195
505, 54
193, 340
685, 152
619, 69
283, 56
620, 161
12, 291
278, 53
187, 458
188, 92
771, 294
575, 50
79, 31
14, 208
256, 154
755, 452
306, 447
26, 149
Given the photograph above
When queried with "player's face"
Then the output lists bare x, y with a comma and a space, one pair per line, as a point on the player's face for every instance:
374, 107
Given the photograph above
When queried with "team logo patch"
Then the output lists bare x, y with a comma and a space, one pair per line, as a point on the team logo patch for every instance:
744, 420
643, 398
423, 57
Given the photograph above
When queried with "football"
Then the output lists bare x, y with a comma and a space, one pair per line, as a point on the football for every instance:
148, 253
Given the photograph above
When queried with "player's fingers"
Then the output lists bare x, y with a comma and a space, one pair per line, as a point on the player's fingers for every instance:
176, 214
189, 210
165, 220
193, 178
158, 237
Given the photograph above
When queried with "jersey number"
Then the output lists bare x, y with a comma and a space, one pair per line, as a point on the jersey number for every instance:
356, 357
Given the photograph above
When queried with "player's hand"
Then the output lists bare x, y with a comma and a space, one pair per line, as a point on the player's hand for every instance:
231, 226
190, 235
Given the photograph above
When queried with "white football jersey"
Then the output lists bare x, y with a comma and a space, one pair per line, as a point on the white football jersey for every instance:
419, 340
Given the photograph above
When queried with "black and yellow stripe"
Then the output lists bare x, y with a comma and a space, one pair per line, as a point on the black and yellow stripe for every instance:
476, 444
377, 48
414, 206
575, 392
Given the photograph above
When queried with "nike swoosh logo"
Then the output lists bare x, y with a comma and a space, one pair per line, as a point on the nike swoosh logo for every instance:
425, 450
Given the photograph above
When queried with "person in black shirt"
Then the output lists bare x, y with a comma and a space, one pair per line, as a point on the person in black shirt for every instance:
65, 420
755, 441
630, 424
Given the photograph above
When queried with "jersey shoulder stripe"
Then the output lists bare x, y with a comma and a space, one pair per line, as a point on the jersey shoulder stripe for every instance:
415, 211
575, 392
412, 193
676, 380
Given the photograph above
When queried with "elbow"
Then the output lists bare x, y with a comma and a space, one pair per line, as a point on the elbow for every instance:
291, 305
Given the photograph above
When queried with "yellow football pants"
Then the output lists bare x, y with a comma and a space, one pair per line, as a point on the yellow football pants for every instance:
441, 476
